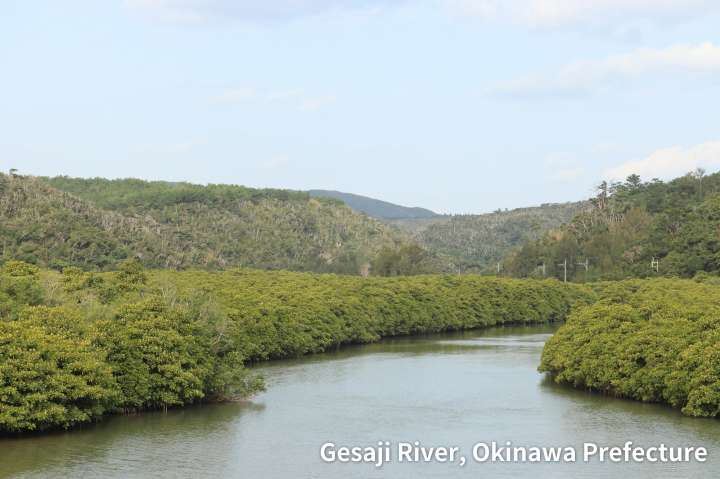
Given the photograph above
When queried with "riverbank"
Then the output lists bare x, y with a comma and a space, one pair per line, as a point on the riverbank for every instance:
79, 346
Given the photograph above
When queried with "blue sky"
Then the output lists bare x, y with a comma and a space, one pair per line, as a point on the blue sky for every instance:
457, 105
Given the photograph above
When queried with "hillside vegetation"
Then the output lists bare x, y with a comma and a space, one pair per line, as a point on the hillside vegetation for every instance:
631, 224
475, 243
81, 345
42, 225
649, 340
97, 223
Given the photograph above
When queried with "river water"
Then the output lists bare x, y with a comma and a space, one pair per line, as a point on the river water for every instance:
451, 390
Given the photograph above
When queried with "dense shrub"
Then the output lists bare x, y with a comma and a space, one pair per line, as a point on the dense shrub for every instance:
652, 340
18, 286
50, 373
281, 314
133, 340
155, 354
114, 345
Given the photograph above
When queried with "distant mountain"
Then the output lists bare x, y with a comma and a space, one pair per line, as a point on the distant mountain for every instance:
96, 223
379, 209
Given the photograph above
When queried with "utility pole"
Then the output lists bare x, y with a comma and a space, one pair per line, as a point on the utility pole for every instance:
655, 264
564, 267
585, 264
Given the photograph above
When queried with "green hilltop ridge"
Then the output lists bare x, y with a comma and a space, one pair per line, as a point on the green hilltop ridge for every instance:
475, 243
97, 223
379, 209
634, 229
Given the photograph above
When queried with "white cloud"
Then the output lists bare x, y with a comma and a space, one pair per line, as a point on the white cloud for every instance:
584, 76
670, 162
564, 13
202, 11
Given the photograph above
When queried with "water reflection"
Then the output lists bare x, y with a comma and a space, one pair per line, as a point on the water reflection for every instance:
103, 443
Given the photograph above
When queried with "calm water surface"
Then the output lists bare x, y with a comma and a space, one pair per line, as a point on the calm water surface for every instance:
442, 390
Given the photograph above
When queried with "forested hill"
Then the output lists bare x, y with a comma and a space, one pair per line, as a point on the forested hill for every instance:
630, 225
376, 208
96, 223
475, 243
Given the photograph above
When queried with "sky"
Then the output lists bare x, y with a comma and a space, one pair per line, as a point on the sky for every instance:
461, 106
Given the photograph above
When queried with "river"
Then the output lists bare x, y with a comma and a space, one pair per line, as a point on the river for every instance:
453, 390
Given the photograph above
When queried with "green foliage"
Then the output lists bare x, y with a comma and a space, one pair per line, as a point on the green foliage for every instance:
128, 194
131, 277
404, 261
138, 348
631, 224
650, 340
50, 374
19, 285
156, 355
282, 314
75, 279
